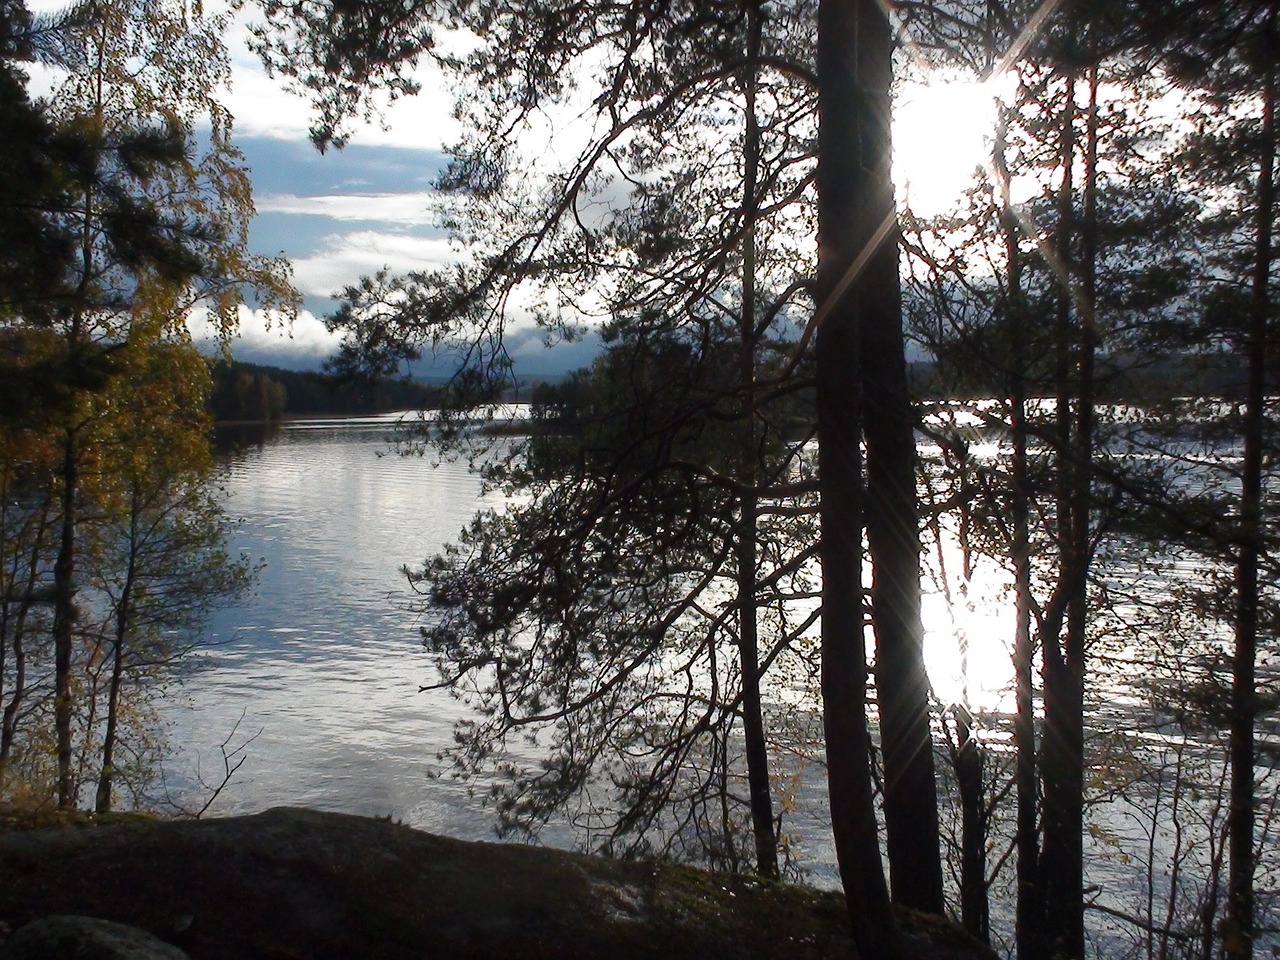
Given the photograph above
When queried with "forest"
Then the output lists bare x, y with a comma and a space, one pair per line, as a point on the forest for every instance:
717, 559
251, 393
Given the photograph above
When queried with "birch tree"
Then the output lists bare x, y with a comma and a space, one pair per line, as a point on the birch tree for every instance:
151, 228
140, 77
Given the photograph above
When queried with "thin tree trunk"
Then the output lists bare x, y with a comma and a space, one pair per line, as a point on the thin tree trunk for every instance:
854, 47
892, 518
9, 724
15, 636
1238, 943
756, 746
1060, 891
64, 613
975, 914
7, 592
1062, 858
106, 778
124, 622
1080, 529
64, 571
1213, 884
1030, 906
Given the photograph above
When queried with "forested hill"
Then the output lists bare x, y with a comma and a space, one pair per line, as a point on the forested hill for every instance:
1119, 379
249, 392
255, 393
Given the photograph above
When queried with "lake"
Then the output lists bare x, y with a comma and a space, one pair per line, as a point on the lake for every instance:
316, 677
322, 666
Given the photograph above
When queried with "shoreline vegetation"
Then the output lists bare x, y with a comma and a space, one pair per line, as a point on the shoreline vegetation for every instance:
248, 394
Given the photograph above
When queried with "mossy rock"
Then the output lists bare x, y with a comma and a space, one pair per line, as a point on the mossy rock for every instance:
303, 884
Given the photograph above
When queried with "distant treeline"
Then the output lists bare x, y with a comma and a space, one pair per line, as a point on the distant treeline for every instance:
564, 405
1127, 379
249, 392
254, 393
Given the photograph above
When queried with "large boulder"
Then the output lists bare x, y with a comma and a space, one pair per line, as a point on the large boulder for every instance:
85, 938
325, 886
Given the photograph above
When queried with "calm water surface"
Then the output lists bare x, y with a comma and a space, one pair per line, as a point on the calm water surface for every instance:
322, 666
317, 676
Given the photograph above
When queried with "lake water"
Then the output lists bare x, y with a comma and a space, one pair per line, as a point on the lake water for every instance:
322, 666
316, 677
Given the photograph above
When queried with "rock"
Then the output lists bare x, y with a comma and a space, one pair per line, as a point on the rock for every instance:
85, 938
182, 924
307, 885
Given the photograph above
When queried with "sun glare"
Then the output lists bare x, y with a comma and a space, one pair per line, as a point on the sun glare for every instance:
942, 134
966, 646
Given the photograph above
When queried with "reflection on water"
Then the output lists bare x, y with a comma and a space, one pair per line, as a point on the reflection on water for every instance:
968, 630
322, 666
232, 438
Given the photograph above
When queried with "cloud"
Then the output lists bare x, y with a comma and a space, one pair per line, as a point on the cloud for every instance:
260, 104
305, 344
264, 108
343, 258
409, 209
269, 339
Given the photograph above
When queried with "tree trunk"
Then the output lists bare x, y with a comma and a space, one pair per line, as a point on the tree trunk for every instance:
893, 539
854, 47
124, 620
975, 913
1239, 939
64, 613
1030, 907
106, 778
15, 636
757, 748
1062, 858
892, 513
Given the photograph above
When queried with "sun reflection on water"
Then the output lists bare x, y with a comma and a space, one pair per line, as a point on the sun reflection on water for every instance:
968, 631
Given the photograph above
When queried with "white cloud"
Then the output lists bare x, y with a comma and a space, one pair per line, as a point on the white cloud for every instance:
260, 104
343, 258
262, 107
409, 209
267, 338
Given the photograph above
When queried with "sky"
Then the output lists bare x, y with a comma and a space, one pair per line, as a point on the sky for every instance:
335, 216
346, 213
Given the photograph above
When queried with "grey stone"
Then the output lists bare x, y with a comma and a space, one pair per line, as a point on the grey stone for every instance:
85, 938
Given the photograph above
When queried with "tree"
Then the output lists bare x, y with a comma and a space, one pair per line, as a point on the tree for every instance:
599, 612
186, 234
700, 254
652, 68
147, 230
27, 525
1090, 267
27, 168
159, 557
1231, 61
857, 285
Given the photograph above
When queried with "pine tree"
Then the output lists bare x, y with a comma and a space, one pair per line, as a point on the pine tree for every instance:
144, 228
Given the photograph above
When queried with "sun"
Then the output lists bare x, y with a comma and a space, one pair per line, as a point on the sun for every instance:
942, 132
